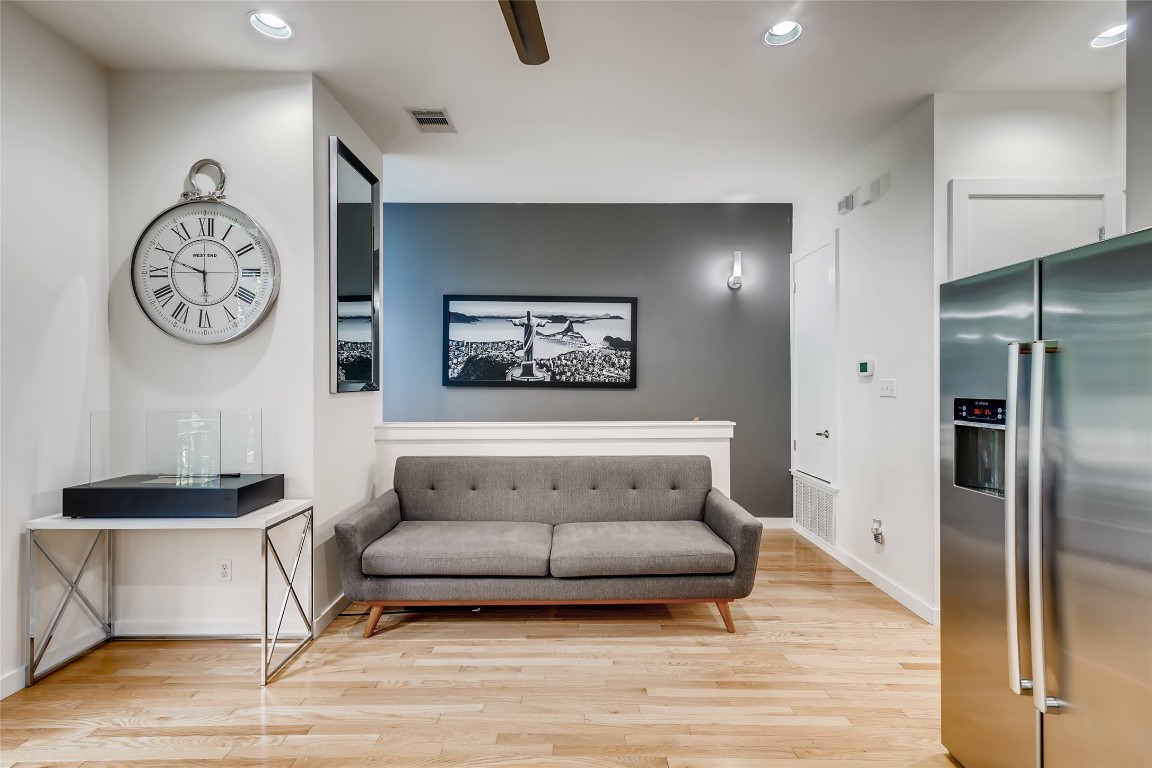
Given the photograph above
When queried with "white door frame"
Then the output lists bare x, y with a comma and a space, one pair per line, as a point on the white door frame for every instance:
961, 191
833, 482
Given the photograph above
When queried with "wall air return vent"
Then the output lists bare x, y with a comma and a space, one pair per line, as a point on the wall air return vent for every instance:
432, 120
814, 509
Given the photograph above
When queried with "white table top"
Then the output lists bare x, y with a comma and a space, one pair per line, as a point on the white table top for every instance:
265, 517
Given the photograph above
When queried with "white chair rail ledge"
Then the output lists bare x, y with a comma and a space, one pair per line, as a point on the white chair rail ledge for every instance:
557, 438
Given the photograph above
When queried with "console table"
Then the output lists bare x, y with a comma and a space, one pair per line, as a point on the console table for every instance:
262, 522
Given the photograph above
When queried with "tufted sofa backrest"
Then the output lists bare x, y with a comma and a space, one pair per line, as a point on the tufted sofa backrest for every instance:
552, 489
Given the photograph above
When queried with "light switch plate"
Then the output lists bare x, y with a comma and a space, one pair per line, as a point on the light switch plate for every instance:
887, 387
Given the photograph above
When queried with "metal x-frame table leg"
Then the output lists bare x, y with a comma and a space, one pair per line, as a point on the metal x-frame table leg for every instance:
104, 620
267, 547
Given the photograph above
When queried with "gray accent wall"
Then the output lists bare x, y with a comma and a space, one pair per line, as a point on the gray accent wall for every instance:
702, 349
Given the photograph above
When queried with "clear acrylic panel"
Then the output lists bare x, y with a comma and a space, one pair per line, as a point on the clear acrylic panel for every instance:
183, 444
188, 444
241, 441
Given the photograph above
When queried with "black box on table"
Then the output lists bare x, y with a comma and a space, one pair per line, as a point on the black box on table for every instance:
160, 496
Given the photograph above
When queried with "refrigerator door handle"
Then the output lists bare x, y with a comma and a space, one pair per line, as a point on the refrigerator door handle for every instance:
1019, 684
1044, 691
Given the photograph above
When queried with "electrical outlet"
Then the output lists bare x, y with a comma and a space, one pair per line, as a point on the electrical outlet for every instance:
224, 570
887, 387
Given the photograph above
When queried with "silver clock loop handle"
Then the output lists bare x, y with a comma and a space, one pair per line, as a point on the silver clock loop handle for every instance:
196, 194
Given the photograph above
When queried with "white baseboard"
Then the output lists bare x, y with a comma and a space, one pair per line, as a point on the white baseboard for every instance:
776, 522
321, 622
11, 681
210, 628
207, 627
881, 582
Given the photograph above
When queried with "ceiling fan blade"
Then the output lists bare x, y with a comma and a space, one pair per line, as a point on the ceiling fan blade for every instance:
523, 20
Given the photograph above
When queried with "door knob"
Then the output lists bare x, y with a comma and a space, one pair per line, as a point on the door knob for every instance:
823, 434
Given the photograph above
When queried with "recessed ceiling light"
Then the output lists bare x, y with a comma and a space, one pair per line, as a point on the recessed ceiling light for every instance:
1117, 34
270, 24
782, 33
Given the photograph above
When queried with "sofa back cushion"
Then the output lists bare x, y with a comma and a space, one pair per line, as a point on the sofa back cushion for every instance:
553, 489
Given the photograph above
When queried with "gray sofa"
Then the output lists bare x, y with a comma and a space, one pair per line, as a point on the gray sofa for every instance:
498, 530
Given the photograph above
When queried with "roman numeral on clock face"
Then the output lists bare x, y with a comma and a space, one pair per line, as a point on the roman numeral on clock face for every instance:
181, 231
165, 250
245, 249
157, 271
204, 321
249, 272
231, 316
226, 233
245, 295
180, 314
162, 293
207, 227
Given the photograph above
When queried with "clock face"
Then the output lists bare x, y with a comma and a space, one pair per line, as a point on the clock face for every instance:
205, 272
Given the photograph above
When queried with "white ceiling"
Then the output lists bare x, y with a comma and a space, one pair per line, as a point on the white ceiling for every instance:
642, 101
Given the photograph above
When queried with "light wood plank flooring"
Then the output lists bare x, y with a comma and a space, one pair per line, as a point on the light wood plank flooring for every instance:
825, 671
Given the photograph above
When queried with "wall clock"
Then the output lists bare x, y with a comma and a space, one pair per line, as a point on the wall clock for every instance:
204, 271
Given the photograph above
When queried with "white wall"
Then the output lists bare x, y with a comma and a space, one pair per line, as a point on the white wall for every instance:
259, 126
345, 458
53, 289
1021, 136
1119, 140
886, 287
1139, 114
814, 217
1024, 135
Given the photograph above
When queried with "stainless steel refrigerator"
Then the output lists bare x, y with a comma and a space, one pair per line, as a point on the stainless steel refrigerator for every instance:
1046, 510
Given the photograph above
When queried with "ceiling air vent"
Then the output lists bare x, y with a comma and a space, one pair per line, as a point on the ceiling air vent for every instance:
432, 120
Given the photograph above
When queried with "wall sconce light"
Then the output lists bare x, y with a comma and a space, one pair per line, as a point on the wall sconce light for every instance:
737, 278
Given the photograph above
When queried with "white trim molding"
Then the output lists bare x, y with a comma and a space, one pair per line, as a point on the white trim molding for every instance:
881, 582
458, 431
558, 438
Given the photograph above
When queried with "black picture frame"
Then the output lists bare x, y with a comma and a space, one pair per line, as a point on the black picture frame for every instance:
613, 363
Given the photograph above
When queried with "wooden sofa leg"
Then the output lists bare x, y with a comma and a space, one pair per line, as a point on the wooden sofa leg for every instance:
725, 613
373, 620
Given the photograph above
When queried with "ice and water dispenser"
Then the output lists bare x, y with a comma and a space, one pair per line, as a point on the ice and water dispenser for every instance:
979, 426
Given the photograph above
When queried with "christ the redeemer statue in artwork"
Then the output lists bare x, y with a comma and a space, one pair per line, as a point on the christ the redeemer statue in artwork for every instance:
527, 370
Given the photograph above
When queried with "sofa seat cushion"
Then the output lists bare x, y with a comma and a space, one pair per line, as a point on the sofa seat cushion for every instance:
452, 548
638, 548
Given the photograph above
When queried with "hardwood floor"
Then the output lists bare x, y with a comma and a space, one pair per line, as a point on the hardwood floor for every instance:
824, 671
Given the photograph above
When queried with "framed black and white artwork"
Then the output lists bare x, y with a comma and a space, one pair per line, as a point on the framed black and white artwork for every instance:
540, 342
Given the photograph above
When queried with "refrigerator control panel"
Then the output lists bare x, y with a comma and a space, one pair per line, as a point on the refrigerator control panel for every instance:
979, 412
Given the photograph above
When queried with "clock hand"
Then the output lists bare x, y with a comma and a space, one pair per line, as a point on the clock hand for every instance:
187, 266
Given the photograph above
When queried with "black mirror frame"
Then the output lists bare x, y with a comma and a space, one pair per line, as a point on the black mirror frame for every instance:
338, 149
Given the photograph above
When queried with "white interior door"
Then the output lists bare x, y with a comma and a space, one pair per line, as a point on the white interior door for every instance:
999, 222
814, 364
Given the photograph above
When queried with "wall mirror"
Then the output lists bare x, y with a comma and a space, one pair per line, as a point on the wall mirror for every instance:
354, 272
